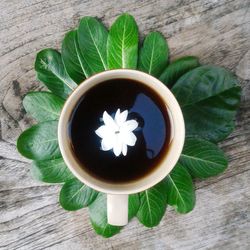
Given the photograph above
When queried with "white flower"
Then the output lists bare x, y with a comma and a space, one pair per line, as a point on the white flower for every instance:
117, 133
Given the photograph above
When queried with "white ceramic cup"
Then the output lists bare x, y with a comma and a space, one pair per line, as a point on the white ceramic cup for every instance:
117, 194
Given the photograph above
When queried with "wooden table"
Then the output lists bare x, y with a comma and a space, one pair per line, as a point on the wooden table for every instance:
218, 31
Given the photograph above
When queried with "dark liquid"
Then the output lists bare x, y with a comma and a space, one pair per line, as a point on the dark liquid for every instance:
153, 132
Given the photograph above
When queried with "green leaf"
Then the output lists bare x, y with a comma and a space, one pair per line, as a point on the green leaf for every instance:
50, 70
209, 97
39, 142
122, 45
43, 106
153, 56
202, 158
98, 214
98, 217
180, 190
75, 195
133, 205
178, 68
71, 57
153, 203
92, 39
51, 171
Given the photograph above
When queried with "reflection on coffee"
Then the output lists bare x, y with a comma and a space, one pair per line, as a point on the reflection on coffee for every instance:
119, 130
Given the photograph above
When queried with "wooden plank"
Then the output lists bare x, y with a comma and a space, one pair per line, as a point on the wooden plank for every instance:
219, 221
30, 217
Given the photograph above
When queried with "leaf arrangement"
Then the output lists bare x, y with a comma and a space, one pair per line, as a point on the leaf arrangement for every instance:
208, 95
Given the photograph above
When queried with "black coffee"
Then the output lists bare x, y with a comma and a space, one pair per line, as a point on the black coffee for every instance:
133, 143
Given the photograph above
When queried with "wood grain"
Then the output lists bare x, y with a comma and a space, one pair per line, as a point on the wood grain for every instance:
30, 217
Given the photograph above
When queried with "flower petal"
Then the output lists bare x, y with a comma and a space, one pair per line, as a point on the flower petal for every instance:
117, 149
120, 118
117, 114
128, 138
107, 143
129, 125
109, 121
124, 149
103, 131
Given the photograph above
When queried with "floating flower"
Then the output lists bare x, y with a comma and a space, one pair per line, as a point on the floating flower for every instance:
117, 133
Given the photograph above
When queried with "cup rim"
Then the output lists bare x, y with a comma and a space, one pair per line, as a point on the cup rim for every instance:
167, 163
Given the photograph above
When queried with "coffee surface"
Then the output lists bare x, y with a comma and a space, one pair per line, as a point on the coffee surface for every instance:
152, 133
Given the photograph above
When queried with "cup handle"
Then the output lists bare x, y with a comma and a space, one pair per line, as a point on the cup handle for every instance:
117, 209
